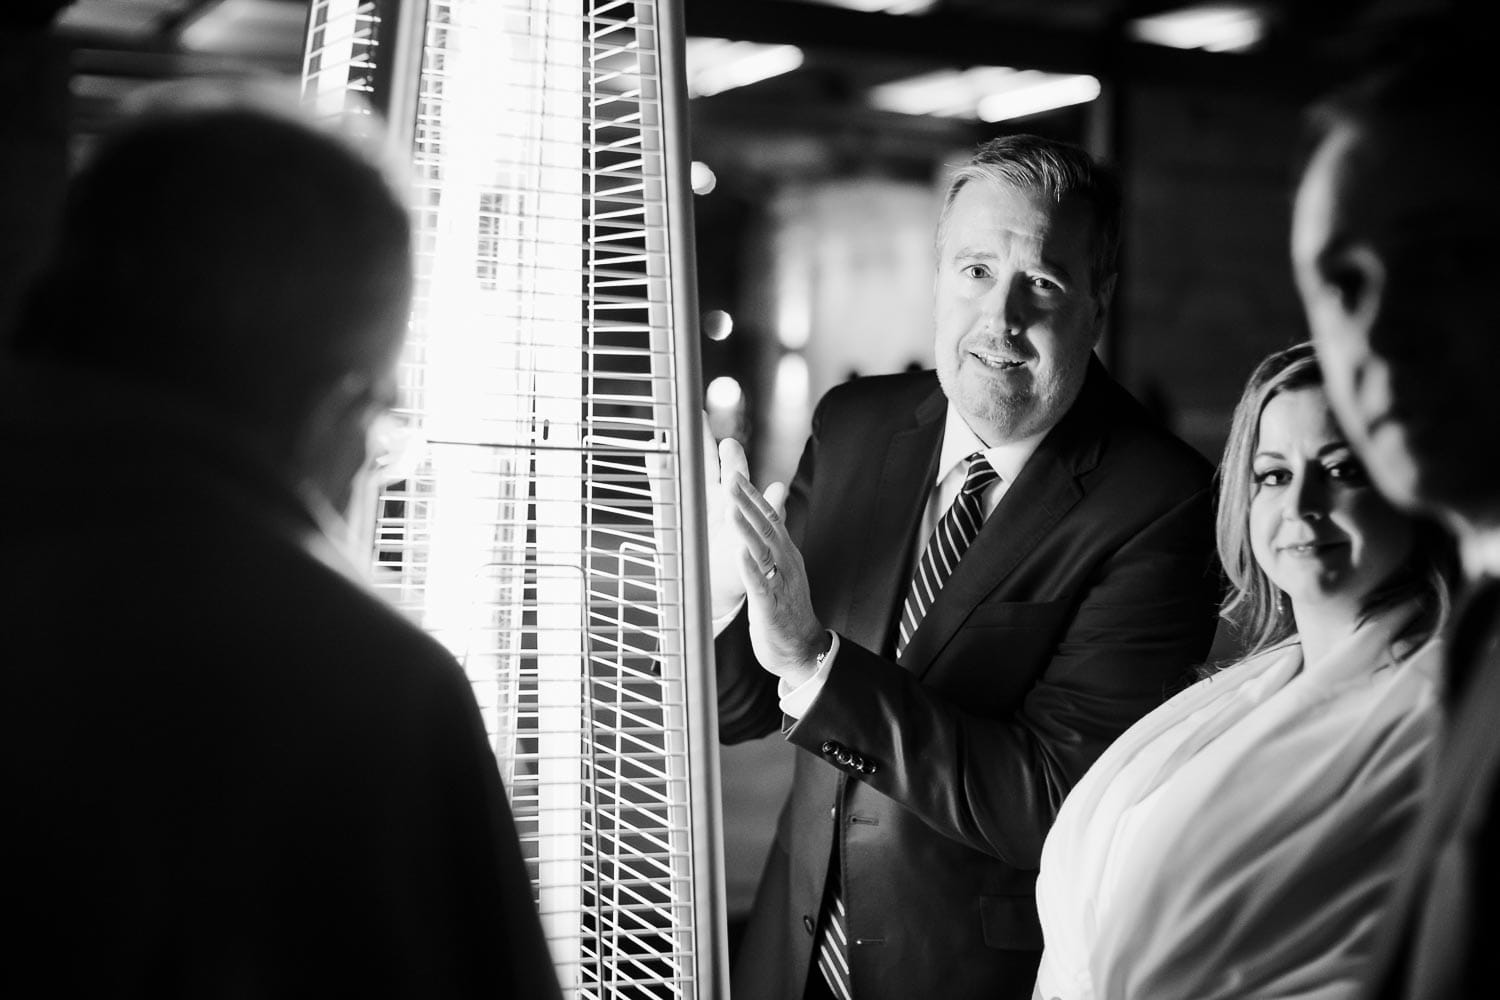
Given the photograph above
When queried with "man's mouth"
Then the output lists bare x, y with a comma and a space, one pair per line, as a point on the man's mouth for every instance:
996, 361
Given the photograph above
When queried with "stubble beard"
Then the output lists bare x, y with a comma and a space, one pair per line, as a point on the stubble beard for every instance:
997, 417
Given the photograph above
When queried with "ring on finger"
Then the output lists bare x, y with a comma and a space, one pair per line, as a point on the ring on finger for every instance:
771, 573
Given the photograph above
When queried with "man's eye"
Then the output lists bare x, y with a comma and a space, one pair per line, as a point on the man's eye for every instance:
977, 272
1353, 275
1045, 284
1348, 283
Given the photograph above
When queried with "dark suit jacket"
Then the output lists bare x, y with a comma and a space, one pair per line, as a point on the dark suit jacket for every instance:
1089, 591
1438, 936
227, 769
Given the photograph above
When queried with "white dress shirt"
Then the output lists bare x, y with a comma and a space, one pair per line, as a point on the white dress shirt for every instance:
1480, 553
959, 442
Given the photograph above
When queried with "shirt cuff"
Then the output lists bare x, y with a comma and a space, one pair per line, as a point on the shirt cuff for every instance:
796, 701
722, 621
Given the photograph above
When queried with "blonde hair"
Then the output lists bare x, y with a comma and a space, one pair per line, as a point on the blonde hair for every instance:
1255, 606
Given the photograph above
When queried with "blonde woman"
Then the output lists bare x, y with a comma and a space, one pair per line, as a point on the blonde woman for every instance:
1240, 840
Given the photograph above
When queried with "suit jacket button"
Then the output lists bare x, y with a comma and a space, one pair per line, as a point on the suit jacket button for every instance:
859, 763
830, 748
807, 923
845, 756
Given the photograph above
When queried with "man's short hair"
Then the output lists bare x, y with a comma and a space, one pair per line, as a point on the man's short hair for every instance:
1058, 170
234, 252
1429, 78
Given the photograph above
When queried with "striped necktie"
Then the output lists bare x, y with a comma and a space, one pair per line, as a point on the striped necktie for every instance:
946, 546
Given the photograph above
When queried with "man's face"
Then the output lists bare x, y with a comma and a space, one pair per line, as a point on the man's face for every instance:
336, 453
1016, 313
1393, 246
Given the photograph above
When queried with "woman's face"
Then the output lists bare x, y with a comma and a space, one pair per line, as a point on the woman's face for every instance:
1318, 527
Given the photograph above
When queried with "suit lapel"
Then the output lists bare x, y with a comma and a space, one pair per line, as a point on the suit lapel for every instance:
910, 464
1440, 873
1044, 492
1046, 489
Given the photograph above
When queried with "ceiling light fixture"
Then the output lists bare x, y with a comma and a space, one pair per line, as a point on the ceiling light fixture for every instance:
136, 21
1034, 92
1214, 27
884, 6
244, 27
715, 65
991, 93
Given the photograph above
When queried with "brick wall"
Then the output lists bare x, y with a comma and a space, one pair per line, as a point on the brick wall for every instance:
1206, 289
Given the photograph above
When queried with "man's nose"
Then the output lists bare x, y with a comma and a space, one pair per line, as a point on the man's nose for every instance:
1004, 305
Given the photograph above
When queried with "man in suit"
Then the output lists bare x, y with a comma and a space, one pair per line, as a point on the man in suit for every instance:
228, 769
1395, 254
943, 717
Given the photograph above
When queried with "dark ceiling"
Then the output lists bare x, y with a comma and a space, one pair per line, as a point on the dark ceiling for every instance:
817, 120
120, 44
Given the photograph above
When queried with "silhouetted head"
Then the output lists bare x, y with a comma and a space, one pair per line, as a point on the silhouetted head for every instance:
1395, 253
242, 256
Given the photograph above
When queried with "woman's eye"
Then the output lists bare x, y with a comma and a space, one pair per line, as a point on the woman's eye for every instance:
1272, 477
1348, 471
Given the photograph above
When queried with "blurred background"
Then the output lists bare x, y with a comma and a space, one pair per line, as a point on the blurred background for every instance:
821, 131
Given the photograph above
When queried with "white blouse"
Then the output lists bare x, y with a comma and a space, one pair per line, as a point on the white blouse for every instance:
1240, 840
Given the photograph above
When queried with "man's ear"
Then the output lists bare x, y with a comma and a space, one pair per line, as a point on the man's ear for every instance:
332, 447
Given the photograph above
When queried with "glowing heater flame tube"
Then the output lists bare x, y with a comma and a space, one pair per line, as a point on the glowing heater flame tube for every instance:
551, 531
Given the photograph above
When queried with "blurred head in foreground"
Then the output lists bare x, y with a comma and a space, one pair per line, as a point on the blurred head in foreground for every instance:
1394, 251
225, 248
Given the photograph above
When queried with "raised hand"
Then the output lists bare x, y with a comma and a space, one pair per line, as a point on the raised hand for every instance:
720, 469
784, 630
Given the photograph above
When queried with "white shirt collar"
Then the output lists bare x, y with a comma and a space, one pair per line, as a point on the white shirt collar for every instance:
1480, 553
959, 442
